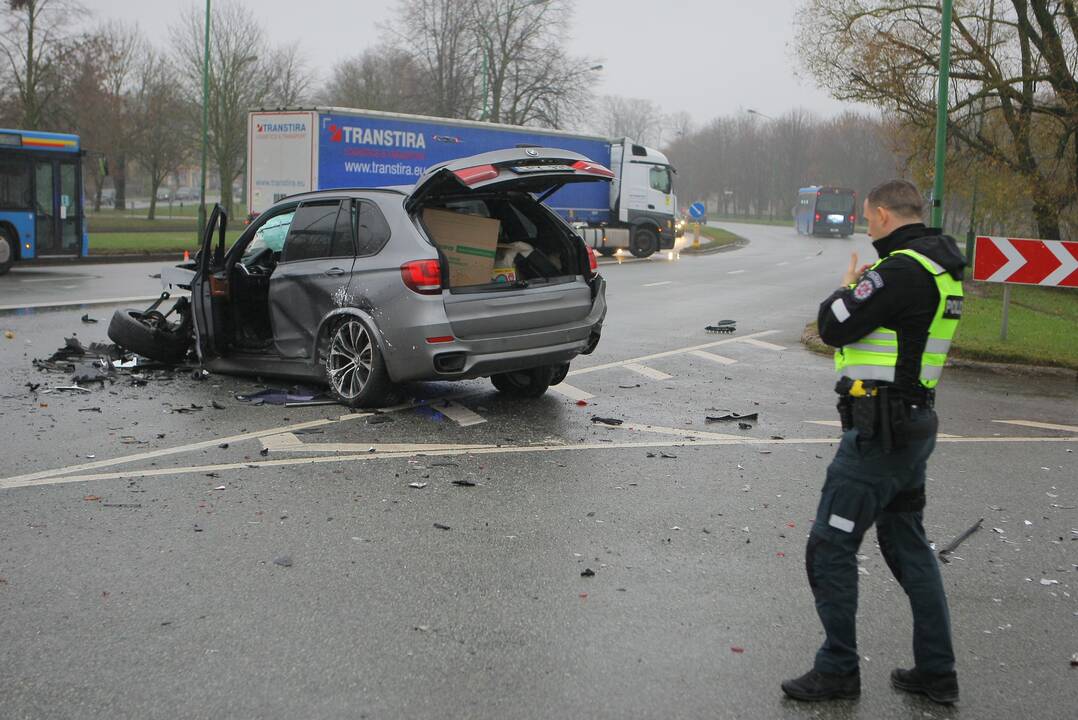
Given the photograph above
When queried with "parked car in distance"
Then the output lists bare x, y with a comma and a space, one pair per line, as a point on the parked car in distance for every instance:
467, 274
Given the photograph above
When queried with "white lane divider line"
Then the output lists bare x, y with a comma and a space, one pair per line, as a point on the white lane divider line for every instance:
720, 359
667, 353
459, 414
573, 393
505, 449
735, 272
836, 423
77, 303
1040, 425
656, 284
647, 372
762, 344
287, 442
784, 262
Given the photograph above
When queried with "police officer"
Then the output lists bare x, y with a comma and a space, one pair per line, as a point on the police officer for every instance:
892, 324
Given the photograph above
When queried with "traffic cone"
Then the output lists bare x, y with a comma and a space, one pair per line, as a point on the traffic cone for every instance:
186, 256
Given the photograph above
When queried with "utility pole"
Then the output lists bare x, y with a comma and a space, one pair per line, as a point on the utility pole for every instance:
205, 124
941, 114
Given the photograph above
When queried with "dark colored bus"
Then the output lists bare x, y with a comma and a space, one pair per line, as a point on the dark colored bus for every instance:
41, 211
825, 211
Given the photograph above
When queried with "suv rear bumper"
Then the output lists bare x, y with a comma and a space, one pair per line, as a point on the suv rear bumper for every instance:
481, 357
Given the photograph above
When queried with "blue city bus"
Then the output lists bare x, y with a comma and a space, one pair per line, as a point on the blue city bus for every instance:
825, 210
41, 210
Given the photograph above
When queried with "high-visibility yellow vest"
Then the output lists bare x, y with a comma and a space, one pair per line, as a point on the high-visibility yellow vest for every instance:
874, 356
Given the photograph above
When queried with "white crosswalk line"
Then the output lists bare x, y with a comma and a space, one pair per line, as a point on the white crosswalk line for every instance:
573, 393
720, 359
647, 372
735, 272
1040, 425
459, 414
762, 344
656, 284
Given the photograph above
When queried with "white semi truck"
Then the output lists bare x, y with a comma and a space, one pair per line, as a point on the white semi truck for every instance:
295, 150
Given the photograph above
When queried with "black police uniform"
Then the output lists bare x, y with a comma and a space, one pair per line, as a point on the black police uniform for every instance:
870, 483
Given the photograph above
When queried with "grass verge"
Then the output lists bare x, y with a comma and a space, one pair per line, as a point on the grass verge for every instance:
715, 238
1040, 329
123, 243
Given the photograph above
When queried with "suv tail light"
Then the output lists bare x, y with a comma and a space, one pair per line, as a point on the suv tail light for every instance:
592, 168
477, 174
423, 276
593, 262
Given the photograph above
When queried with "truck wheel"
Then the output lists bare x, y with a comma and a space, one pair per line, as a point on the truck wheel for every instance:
645, 243
529, 383
606, 251
355, 368
8, 250
149, 334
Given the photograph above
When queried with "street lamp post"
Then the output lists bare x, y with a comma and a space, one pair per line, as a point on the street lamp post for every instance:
750, 111
941, 114
205, 123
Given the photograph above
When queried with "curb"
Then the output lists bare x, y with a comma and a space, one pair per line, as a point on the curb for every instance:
811, 340
737, 244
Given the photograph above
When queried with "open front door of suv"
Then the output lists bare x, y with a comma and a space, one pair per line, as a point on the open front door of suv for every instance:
209, 288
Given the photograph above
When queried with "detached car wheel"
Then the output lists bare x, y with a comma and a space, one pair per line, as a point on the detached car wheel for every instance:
529, 383
151, 335
355, 368
644, 244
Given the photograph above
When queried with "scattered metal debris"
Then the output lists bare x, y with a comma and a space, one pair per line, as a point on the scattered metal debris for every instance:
283, 561
953, 545
464, 483
440, 526
730, 417
606, 421
588, 572
722, 327
87, 319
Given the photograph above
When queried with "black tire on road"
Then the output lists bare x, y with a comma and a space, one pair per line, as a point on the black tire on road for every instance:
645, 242
129, 329
560, 371
355, 369
529, 383
606, 251
9, 249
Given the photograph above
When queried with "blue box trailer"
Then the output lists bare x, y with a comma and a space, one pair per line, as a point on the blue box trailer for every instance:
297, 150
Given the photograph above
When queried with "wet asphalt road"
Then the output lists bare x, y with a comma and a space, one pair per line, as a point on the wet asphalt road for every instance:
148, 588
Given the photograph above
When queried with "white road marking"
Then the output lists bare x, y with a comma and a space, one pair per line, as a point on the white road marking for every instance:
762, 344
668, 353
836, 423
573, 393
722, 360
784, 262
77, 303
289, 442
735, 272
656, 284
647, 372
459, 414
680, 432
1039, 425
293, 462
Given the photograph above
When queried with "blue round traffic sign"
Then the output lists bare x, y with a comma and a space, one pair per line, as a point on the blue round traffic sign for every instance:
697, 210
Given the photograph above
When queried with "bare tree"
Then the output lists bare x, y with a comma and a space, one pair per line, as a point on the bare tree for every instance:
35, 43
641, 120
292, 78
439, 35
1013, 94
160, 143
243, 74
382, 78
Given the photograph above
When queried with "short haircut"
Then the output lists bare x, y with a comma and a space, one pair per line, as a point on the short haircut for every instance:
898, 196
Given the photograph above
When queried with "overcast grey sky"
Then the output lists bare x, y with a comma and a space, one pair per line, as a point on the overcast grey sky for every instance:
708, 57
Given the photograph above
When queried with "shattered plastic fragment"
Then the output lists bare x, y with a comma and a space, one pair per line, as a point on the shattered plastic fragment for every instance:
606, 421
283, 561
737, 649
464, 483
751, 417
1047, 581
588, 572
440, 526
417, 485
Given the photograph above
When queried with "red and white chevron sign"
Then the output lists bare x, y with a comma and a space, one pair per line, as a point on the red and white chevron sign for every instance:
1026, 262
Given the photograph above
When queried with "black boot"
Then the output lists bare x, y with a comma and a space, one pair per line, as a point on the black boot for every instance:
815, 685
939, 687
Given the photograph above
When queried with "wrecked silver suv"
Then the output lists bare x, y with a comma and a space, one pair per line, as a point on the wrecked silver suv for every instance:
467, 274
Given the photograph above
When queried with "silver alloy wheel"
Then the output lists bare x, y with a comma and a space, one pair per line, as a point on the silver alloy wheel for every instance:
350, 359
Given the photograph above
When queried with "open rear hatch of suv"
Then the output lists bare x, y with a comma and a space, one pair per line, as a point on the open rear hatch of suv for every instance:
509, 263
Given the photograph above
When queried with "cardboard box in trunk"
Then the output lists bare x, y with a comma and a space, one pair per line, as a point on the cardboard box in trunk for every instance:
469, 243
